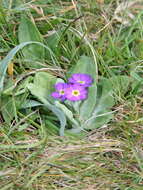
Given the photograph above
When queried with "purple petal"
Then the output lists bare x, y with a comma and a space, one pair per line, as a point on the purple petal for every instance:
87, 78
73, 98
71, 80
76, 76
55, 95
63, 98
82, 79
76, 87
61, 86
83, 96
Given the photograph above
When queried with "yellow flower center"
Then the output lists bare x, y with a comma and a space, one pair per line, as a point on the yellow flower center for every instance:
61, 92
81, 82
75, 93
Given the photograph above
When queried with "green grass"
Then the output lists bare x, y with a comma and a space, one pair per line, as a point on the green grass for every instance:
32, 155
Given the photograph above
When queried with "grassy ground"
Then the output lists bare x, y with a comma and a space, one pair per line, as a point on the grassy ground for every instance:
109, 158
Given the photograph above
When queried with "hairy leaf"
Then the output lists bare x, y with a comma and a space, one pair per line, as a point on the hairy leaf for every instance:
29, 32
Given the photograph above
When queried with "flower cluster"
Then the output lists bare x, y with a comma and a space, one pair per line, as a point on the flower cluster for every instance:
75, 90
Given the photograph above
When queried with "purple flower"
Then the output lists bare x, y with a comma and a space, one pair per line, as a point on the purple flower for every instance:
60, 91
81, 79
75, 92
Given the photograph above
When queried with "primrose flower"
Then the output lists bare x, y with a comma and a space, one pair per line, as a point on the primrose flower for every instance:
81, 79
60, 91
75, 92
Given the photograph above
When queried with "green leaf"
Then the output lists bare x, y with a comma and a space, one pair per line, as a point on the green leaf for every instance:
41, 89
85, 65
29, 32
87, 107
9, 106
96, 110
104, 101
98, 120
67, 112
105, 98
7, 109
11, 89
30, 104
40, 93
61, 116
53, 40
43, 85
5, 62
120, 84
44, 79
